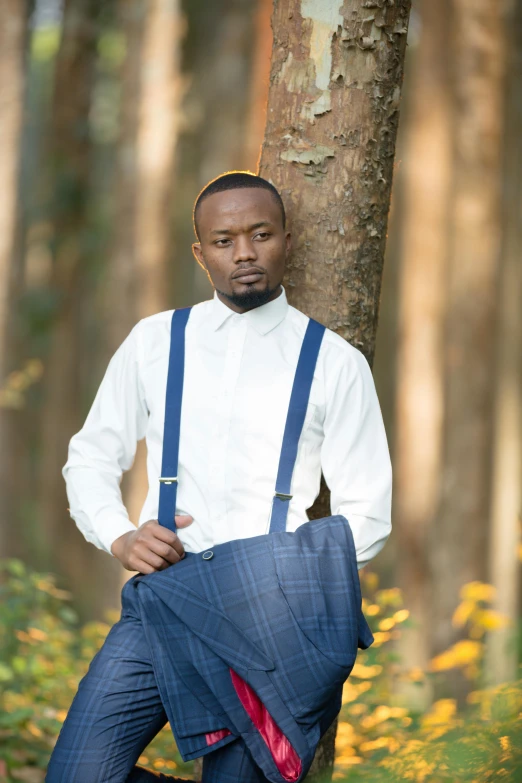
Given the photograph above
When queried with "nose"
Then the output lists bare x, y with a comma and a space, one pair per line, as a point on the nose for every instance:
244, 249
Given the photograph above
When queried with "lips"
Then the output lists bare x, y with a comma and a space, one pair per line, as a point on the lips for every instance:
248, 275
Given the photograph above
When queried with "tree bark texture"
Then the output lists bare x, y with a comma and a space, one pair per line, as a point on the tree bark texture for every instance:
333, 108
419, 377
329, 145
458, 553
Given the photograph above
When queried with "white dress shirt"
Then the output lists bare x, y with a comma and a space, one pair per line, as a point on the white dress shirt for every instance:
239, 370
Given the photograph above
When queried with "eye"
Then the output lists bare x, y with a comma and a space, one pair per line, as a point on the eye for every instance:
262, 235
222, 242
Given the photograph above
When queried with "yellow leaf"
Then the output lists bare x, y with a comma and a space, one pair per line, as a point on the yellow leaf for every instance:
380, 637
37, 634
477, 591
34, 730
441, 713
381, 742
462, 613
462, 653
491, 620
416, 674
370, 580
391, 597
386, 624
401, 615
365, 672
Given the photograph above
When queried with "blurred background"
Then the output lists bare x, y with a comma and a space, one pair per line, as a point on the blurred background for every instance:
113, 115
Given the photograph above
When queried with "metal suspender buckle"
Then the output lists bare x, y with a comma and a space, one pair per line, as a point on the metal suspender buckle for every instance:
168, 479
282, 496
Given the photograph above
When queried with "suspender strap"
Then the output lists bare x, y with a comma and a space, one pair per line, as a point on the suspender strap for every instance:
303, 378
174, 396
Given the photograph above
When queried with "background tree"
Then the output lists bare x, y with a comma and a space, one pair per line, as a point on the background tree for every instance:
70, 151
423, 227
13, 46
332, 116
506, 493
459, 535
136, 283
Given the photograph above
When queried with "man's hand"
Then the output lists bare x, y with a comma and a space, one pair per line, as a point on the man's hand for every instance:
151, 547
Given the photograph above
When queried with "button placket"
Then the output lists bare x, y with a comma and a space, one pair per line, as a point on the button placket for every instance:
225, 401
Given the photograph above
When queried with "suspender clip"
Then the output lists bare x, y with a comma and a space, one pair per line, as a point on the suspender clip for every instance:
168, 479
282, 496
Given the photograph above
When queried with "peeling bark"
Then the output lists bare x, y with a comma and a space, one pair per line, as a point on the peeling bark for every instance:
333, 110
329, 146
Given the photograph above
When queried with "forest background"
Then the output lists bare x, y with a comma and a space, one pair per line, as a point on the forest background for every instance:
113, 115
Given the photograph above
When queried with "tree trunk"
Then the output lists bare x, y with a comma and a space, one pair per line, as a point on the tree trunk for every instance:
222, 44
138, 275
89, 573
13, 38
423, 274
460, 533
329, 146
506, 509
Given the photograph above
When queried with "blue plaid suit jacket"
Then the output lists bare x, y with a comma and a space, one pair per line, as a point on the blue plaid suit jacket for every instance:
283, 611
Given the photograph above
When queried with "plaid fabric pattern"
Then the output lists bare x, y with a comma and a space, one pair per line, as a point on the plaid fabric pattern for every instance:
116, 713
282, 610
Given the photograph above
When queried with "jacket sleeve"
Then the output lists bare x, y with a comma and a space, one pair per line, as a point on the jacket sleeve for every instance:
355, 457
105, 447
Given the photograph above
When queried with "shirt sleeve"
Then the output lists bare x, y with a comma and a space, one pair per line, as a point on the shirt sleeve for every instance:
105, 447
355, 458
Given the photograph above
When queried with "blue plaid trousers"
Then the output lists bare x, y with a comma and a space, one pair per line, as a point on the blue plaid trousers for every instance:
117, 712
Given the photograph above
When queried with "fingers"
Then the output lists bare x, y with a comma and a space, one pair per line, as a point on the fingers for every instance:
146, 553
183, 520
156, 547
164, 534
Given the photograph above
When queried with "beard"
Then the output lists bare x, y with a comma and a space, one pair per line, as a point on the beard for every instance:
251, 297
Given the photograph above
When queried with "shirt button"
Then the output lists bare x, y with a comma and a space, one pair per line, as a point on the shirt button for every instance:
208, 555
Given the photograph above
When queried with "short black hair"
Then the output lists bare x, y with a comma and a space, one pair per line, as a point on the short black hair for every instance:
232, 180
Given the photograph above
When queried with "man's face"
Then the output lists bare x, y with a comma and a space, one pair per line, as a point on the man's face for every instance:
243, 246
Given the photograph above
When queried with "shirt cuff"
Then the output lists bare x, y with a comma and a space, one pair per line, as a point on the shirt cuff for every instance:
112, 528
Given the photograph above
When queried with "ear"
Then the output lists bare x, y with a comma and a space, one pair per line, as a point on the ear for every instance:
288, 243
198, 255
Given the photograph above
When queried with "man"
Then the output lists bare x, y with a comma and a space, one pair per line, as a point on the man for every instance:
241, 354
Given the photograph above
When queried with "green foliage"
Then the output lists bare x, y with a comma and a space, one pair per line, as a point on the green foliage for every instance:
378, 742
44, 652
43, 655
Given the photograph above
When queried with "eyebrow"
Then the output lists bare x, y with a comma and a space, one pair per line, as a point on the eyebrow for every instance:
250, 228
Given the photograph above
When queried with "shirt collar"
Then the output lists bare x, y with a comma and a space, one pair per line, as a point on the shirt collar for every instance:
262, 318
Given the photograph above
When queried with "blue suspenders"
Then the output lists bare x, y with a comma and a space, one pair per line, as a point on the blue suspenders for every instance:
294, 421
